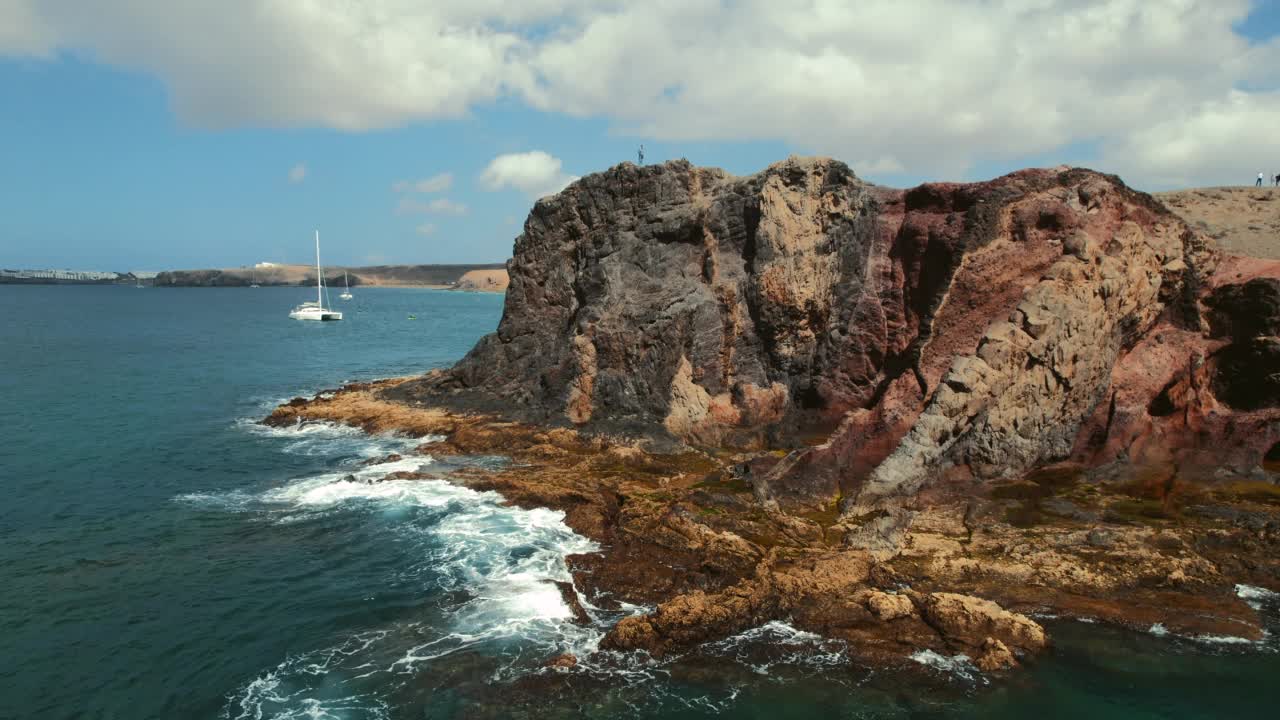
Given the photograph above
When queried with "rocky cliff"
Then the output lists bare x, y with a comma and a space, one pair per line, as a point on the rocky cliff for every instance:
903, 419
887, 338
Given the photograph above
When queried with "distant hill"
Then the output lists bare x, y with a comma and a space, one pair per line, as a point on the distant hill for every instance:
492, 280
1244, 220
442, 276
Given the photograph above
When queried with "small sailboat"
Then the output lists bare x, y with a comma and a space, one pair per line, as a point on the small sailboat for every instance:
255, 279
316, 310
346, 293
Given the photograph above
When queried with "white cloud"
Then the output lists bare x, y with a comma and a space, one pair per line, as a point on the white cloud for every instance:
438, 206
881, 165
435, 183
425, 229
23, 31
928, 87
1227, 134
535, 172
298, 173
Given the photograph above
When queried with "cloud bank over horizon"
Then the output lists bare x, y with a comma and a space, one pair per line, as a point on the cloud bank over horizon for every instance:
1161, 91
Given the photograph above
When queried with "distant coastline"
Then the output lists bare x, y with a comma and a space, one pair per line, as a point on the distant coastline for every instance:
487, 276
71, 277
479, 277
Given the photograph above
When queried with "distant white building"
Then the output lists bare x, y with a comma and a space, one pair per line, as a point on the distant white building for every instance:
265, 265
79, 275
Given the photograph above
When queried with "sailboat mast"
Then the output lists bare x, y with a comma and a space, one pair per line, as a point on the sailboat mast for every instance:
319, 298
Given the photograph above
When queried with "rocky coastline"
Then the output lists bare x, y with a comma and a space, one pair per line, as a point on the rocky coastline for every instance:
906, 419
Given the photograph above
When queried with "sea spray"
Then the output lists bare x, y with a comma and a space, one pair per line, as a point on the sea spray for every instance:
1255, 596
957, 666
777, 644
495, 563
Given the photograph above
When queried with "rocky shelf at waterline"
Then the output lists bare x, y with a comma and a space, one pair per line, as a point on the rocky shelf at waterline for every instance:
685, 533
902, 418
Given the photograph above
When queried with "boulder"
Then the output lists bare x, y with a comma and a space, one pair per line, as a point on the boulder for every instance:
970, 621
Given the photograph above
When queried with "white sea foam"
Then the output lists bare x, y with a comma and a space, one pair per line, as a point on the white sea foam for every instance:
233, 500
322, 438
502, 560
285, 692
1224, 640
776, 644
506, 556
1161, 631
1254, 596
960, 666
1252, 592
302, 429
508, 559
367, 483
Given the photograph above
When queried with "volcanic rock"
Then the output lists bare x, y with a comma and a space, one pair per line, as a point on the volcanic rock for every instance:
567, 661
972, 621
898, 418
885, 335
995, 656
383, 459
888, 607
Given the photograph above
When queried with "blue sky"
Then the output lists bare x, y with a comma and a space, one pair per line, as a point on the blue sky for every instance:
106, 166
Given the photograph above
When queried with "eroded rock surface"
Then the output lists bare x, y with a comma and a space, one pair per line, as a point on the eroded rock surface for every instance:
904, 419
887, 337
956, 572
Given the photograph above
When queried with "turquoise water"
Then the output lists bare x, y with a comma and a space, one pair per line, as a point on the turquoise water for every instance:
163, 556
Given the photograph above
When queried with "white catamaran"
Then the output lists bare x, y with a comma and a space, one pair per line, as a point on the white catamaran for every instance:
346, 293
316, 310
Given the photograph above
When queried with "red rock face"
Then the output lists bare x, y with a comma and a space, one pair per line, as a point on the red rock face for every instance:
1199, 403
893, 337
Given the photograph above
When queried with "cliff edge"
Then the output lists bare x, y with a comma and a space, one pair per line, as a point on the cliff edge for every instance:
905, 419
887, 337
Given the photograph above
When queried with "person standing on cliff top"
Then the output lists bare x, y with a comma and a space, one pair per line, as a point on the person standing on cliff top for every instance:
1277, 180
640, 155
1259, 183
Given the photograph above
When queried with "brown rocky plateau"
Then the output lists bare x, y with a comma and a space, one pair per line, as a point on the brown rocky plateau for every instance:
906, 419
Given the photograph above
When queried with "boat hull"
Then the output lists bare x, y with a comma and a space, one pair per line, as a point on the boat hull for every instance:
318, 315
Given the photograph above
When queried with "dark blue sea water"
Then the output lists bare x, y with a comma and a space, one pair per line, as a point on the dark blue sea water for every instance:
162, 556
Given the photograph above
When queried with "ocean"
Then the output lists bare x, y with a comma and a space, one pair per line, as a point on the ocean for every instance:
164, 556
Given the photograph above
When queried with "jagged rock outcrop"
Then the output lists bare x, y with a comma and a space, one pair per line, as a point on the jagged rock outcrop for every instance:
889, 337
906, 419
955, 569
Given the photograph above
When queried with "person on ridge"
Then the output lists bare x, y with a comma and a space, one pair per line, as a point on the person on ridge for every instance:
1277, 180
640, 154
1259, 183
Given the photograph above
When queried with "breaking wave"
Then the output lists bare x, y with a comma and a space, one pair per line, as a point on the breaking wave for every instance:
327, 439
1160, 631
1255, 596
957, 666
777, 644
494, 565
